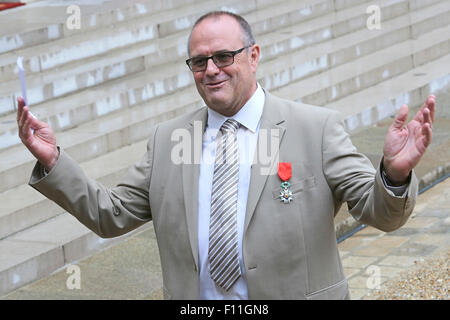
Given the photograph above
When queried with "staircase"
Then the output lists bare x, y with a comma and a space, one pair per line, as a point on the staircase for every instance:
102, 87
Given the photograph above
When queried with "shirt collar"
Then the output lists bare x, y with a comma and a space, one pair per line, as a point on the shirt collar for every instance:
249, 115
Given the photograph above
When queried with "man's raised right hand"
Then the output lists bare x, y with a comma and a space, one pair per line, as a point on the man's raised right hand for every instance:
41, 143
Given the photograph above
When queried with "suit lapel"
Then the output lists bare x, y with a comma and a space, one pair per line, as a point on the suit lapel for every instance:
190, 176
271, 127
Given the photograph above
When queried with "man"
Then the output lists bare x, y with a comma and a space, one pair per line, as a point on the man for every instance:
225, 227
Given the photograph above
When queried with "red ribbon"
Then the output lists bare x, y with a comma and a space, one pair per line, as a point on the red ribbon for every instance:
284, 170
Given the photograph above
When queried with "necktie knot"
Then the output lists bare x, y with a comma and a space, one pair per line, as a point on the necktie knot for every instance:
229, 126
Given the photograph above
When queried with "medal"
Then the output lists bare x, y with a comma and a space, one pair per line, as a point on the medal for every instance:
285, 173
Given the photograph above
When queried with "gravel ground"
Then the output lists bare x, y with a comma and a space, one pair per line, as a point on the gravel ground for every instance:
427, 280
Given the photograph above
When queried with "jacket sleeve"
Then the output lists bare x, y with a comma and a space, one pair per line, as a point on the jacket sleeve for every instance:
107, 212
353, 179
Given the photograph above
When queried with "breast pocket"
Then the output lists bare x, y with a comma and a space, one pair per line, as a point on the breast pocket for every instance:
296, 187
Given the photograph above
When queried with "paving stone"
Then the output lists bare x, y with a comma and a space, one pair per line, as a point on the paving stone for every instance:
382, 246
365, 282
369, 296
356, 294
343, 254
404, 232
438, 228
414, 250
418, 208
432, 239
389, 272
156, 295
440, 212
356, 241
349, 244
357, 262
370, 231
398, 261
421, 222
350, 272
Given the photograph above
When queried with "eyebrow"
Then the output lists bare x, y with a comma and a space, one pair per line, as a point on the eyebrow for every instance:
215, 52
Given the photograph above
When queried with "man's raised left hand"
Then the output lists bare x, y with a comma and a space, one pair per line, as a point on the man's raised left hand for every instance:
405, 145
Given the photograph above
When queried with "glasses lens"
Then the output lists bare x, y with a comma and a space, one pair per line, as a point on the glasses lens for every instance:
198, 64
223, 59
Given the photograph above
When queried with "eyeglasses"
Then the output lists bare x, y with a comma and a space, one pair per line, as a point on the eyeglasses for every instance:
221, 60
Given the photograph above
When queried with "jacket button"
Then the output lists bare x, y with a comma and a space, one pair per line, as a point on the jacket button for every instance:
116, 211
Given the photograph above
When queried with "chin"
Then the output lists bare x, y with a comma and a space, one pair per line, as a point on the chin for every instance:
216, 104
216, 98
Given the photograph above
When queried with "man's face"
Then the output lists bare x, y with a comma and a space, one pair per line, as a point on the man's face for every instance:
226, 89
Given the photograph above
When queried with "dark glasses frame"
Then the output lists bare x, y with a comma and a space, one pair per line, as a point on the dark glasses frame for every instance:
214, 59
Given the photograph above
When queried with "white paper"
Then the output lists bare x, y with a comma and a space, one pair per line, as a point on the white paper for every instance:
22, 84
22, 79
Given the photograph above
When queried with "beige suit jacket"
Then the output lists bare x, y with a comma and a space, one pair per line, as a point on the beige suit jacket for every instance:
289, 250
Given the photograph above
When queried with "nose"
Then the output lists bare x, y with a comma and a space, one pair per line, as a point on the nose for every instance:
211, 68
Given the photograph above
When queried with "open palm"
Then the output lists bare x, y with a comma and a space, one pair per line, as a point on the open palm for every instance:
405, 145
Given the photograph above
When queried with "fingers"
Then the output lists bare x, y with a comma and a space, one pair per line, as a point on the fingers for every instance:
427, 133
26, 132
20, 105
431, 101
25, 123
401, 117
427, 123
427, 117
428, 105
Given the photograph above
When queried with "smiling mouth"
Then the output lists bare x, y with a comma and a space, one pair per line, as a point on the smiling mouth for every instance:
215, 84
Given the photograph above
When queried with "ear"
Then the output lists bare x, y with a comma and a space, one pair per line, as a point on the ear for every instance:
254, 55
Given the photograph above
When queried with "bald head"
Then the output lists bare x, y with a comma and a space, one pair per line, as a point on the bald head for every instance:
246, 34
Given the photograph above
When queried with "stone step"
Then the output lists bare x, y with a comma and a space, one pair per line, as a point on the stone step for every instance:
367, 66
23, 207
38, 251
79, 46
326, 27
385, 99
342, 88
61, 118
93, 15
16, 157
321, 56
77, 73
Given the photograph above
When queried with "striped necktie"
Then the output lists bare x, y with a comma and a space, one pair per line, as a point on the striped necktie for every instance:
223, 245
